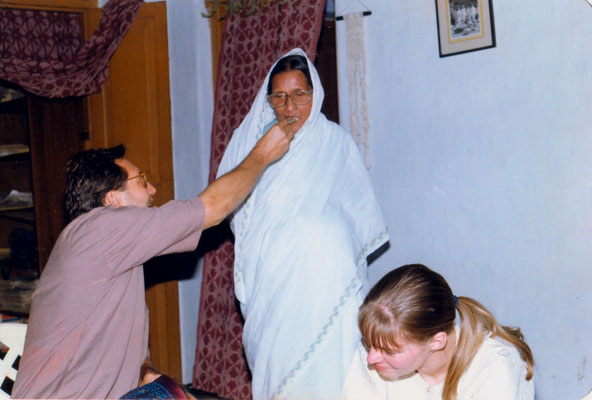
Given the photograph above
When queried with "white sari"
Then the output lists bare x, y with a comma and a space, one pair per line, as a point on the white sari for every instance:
301, 241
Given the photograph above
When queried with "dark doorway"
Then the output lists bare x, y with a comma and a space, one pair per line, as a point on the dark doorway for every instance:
326, 64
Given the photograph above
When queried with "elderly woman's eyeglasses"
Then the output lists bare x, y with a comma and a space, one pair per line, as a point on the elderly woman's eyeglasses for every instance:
142, 176
298, 97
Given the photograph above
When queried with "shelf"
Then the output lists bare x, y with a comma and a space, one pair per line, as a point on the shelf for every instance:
15, 295
16, 200
23, 215
7, 150
7, 94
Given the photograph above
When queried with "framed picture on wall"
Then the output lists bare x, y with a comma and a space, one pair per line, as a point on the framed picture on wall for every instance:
464, 25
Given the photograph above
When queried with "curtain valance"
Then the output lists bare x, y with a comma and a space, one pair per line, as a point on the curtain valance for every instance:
45, 53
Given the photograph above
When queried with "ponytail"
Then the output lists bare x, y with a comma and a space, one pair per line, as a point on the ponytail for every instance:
476, 322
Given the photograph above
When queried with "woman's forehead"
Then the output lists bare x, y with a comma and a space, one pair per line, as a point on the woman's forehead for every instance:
292, 79
388, 341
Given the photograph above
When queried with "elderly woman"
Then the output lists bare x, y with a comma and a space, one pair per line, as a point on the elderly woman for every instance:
414, 350
301, 241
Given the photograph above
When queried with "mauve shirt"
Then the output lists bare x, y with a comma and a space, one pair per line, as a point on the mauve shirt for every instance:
88, 327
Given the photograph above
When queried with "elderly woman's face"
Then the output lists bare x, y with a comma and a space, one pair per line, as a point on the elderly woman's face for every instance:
289, 82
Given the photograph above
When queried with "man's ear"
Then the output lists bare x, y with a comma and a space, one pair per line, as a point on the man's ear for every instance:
438, 342
113, 199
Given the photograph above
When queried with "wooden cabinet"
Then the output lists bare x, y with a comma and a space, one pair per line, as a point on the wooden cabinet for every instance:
53, 130
37, 136
57, 129
17, 217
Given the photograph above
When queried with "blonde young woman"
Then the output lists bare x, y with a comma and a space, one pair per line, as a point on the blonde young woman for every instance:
414, 350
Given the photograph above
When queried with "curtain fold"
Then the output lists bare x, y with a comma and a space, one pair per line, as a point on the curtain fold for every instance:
44, 51
250, 45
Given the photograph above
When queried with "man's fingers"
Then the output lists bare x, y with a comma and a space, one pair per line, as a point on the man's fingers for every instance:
285, 126
285, 123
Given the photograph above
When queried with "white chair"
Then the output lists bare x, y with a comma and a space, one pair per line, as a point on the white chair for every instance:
12, 338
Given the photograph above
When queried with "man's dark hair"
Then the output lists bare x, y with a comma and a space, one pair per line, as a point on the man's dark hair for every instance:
90, 175
290, 63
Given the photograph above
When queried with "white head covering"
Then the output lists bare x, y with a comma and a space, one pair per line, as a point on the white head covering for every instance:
261, 114
301, 237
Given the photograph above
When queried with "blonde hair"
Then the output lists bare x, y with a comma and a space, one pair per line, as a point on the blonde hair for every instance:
414, 303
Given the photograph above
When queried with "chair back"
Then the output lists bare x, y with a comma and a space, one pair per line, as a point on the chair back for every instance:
12, 342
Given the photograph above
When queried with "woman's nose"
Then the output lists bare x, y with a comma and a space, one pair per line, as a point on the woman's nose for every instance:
374, 356
290, 105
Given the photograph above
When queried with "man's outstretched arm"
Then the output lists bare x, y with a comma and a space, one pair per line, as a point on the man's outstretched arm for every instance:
223, 195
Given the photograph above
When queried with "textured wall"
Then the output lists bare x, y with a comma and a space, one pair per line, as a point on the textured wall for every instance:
483, 165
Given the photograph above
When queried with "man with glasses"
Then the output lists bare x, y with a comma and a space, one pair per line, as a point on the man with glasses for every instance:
88, 327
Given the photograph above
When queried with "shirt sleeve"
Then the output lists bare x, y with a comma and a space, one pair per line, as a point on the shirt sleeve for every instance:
133, 235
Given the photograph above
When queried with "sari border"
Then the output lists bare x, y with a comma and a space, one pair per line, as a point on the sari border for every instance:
349, 291
372, 245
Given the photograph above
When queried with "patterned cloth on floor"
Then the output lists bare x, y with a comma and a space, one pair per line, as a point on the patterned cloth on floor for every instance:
161, 388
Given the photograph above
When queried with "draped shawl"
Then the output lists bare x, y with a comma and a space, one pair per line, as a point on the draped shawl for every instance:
301, 241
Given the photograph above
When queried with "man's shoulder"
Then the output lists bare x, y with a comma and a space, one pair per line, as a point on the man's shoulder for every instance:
100, 215
107, 220
91, 218
97, 222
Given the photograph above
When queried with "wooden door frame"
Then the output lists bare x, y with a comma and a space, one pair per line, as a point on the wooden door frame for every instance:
79, 6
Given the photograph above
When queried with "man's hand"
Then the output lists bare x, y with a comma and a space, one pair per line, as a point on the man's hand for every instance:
223, 195
275, 143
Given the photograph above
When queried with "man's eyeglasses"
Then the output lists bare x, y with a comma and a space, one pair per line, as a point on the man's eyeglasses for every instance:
142, 176
298, 97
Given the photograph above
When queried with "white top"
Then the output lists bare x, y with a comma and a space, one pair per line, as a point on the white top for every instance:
497, 372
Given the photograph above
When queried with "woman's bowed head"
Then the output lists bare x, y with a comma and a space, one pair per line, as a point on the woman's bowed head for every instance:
408, 326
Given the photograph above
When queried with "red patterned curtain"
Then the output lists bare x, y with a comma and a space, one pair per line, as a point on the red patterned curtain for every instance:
45, 53
250, 46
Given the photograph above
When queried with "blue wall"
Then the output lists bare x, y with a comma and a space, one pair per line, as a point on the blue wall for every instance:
483, 166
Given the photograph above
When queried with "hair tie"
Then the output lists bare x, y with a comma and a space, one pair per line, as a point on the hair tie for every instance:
455, 301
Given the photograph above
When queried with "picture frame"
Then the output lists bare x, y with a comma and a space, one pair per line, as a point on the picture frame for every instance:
464, 26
